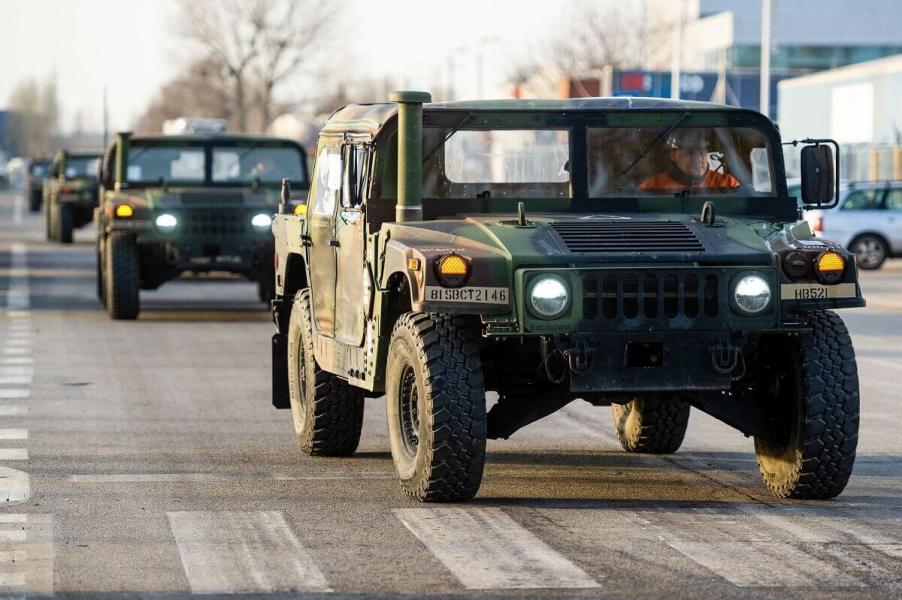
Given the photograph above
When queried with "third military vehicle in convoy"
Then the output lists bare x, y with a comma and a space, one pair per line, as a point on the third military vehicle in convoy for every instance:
70, 193
637, 253
189, 203
38, 170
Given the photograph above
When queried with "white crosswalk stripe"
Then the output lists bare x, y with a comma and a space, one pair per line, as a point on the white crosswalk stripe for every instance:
485, 549
14, 393
243, 552
26, 555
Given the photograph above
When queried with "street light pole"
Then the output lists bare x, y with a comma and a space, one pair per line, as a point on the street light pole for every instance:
765, 57
676, 53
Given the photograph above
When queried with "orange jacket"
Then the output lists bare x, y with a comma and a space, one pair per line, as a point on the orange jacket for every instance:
712, 179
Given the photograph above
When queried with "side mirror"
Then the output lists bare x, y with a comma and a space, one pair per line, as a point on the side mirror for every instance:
820, 175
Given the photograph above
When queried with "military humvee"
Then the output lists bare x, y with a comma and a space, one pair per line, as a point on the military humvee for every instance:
637, 253
189, 203
70, 194
38, 170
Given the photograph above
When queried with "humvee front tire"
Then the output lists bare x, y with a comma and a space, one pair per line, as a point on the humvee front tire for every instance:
435, 405
100, 279
64, 225
122, 279
651, 425
48, 221
327, 411
816, 408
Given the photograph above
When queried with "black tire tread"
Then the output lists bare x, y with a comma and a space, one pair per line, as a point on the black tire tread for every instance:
123, 279
829, 376
337, 405
446, 347
662, 424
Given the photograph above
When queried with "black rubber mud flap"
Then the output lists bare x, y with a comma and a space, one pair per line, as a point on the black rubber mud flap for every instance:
280, 371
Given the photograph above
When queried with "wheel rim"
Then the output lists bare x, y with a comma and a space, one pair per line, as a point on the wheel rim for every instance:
302, 382
869, 251
409, 412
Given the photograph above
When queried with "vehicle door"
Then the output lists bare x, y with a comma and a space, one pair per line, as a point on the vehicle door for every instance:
350, 226
893, 204
321, 233
860, 211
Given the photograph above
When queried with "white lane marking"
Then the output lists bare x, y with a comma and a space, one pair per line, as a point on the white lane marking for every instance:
15, 486
13, 433
9, 410
17, 360
13, 454
25, 371
14, 393
485, 549
764, 564
15, 379
832, 525
18, 314
243, 552
18, 342
26, 555
15, 350
167, 477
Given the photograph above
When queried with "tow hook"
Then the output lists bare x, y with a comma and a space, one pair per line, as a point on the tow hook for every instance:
579, 357
725, 358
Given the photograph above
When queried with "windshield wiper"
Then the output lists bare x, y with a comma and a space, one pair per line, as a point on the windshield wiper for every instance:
457, 127
655, 142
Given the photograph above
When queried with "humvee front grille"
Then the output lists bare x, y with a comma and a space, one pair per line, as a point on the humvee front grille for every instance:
658, 296
627, 236
214, 222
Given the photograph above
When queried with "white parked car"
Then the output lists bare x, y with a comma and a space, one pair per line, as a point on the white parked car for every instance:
867, 221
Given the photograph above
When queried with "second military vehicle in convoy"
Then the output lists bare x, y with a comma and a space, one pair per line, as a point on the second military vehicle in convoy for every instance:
38, 171
189, 203
70, 193
637, 253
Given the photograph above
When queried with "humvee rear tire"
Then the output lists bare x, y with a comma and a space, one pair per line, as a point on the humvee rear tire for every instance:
816, 406
327, 411
122, 279
266, 290
64, 223
100, 281
34, 202
651, 425
435, 405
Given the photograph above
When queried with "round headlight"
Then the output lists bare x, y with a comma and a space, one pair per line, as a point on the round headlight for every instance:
166, 222
261, 221
548, 296
752, 294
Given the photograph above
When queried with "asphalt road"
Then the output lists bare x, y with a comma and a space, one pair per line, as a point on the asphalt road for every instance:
143, 460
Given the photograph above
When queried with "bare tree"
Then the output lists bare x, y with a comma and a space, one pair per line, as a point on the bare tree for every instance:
34, 116
258, 45
195, 92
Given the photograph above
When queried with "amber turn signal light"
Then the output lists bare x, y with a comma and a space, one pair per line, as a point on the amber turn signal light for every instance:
830, 266
300, 209
124, 211
452, 270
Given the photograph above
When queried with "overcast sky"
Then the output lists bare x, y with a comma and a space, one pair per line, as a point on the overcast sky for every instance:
129, 47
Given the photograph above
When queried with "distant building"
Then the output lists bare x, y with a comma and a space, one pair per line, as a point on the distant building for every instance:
858, 106
808, 35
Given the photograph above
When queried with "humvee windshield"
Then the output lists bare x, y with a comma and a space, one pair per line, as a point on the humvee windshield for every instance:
81, 166
235, 165
661, 160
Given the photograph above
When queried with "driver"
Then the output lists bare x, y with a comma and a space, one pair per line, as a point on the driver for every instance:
688, 165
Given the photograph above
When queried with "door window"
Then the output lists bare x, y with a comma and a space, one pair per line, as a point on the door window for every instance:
894, 199
328, 180
863, 200
355, 176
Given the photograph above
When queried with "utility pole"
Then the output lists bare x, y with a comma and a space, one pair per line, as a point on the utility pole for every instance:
106, 119
676, 53
765, 57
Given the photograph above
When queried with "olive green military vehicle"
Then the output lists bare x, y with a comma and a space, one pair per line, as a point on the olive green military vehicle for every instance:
70, 194
189, 203
38, 170
637, 253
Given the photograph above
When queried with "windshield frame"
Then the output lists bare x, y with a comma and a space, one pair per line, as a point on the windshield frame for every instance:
207, 146
778, 206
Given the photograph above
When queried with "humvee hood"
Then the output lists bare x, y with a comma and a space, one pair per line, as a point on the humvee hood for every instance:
574, 238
